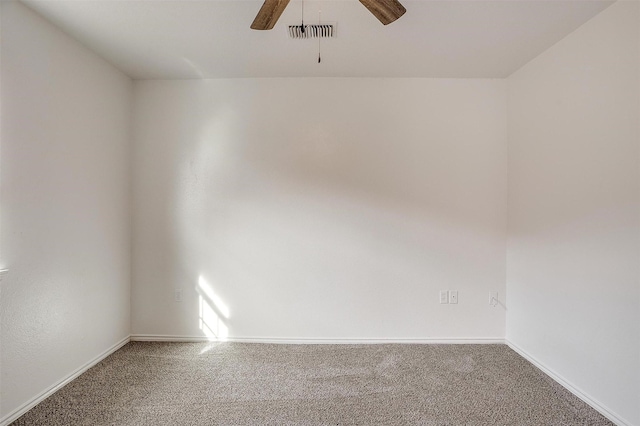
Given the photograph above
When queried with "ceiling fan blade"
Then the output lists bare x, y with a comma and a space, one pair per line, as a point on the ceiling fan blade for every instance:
268, 14
386, 11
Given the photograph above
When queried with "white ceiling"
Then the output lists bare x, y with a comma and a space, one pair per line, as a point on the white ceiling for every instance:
192, 39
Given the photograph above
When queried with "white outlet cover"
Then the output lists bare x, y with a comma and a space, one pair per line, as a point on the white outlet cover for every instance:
444, 297
178, 295
453, 296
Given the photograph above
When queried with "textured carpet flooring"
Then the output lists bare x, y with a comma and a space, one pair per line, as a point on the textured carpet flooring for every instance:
262, 384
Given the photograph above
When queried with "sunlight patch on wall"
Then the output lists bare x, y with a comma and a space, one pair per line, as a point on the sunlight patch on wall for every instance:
210, 322
212, 312
220, 306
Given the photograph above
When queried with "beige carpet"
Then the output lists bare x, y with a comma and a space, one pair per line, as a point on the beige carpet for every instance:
262, 384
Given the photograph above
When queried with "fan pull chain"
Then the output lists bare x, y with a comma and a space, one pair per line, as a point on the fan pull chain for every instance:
319, 35
302, 19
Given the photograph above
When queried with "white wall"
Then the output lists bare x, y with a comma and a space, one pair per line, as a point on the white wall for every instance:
320, 208
65, 206
573, 285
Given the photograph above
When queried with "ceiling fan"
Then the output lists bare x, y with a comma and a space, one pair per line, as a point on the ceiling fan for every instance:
386, 11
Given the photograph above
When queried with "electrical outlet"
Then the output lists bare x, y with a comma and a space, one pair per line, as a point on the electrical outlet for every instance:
444, 297
453, 296
493, 298
177, 294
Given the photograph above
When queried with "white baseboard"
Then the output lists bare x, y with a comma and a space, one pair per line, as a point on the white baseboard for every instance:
569, 386
12, 416
316, 341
